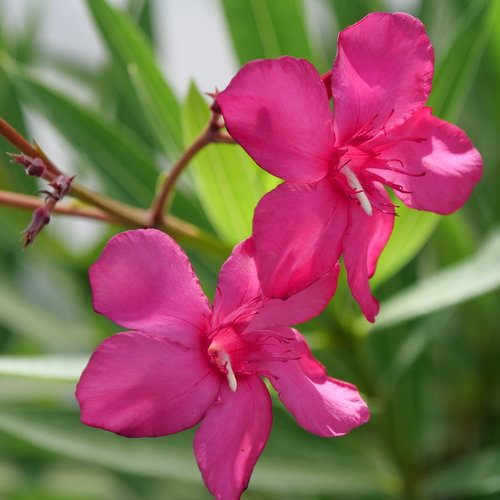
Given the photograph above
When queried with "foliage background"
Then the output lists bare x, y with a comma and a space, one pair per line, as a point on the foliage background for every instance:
429, 366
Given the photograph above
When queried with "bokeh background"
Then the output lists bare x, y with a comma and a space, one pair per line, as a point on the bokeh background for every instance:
113, 91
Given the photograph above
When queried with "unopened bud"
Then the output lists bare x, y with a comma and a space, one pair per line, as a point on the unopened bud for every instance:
41, 217
34, 167
61, 186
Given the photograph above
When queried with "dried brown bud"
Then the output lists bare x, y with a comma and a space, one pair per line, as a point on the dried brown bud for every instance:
41, 217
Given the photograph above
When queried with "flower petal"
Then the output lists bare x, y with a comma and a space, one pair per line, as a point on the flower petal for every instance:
144, 281
451, 163
297, 233
238, 284
141, 385
364, 240
382, 73
298, 308
320, 404
232, 436
278, 111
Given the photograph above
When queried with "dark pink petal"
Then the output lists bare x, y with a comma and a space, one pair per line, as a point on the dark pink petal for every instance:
451, 163
364, 240
278, 111
382, 73
232, 436
143, 280
320, 404
141, 385
297, 234
238, 285
298, 308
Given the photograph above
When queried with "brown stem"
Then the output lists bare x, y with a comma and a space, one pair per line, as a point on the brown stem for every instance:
165, 194
211, 133
118, 212
15, 138
26, 202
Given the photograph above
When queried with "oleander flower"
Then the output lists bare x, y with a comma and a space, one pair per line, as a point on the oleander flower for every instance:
186, 362
336, 164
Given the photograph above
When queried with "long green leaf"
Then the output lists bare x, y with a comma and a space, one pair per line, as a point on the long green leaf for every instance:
229, 184
348, 12
262, 29
473, 475
68, 367
172, 456
457, 69
116, 153
30, 320
129, 46
475, 276
412, 228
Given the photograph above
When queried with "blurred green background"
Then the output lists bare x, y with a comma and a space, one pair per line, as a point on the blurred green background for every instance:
429, 367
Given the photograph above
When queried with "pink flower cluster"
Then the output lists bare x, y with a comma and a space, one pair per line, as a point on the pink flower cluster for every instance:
186, 362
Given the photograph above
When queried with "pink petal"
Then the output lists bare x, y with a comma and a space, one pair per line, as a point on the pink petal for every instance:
451, 163
141, 385
144, 281
382, 73
232, 436
297, 233
320, 404
364, 240
278, 111
238, 284
298, 308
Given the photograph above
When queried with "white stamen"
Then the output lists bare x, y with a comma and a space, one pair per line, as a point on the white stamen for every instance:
231, 379
354, 184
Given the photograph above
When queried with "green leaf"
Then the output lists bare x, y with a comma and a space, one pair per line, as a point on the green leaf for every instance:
474, 474
262, 29
341, 472
228, 183
129, 46
67, 367
348, 12
125, 161
412, 229
26, 318
64, 433
457, 68
475, 276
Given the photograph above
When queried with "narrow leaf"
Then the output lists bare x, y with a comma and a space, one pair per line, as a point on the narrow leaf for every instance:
129, 46
412, 229
475, 276
67, 367
262, 29
457, 68
116, 153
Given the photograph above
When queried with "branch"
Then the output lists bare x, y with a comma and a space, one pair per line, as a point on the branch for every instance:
27, 202
210, 134
112, 211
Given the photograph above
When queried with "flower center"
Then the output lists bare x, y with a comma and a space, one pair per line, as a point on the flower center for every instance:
357, 189
238, 354
227, 351
363, 161
221, 359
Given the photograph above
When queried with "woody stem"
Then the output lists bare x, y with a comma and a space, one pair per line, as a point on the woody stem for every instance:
211, 133
112, 210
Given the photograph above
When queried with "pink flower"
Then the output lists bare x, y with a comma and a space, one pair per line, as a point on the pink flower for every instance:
187, 362
335, 165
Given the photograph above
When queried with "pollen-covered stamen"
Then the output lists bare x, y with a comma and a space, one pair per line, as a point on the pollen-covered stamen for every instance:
358, 191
